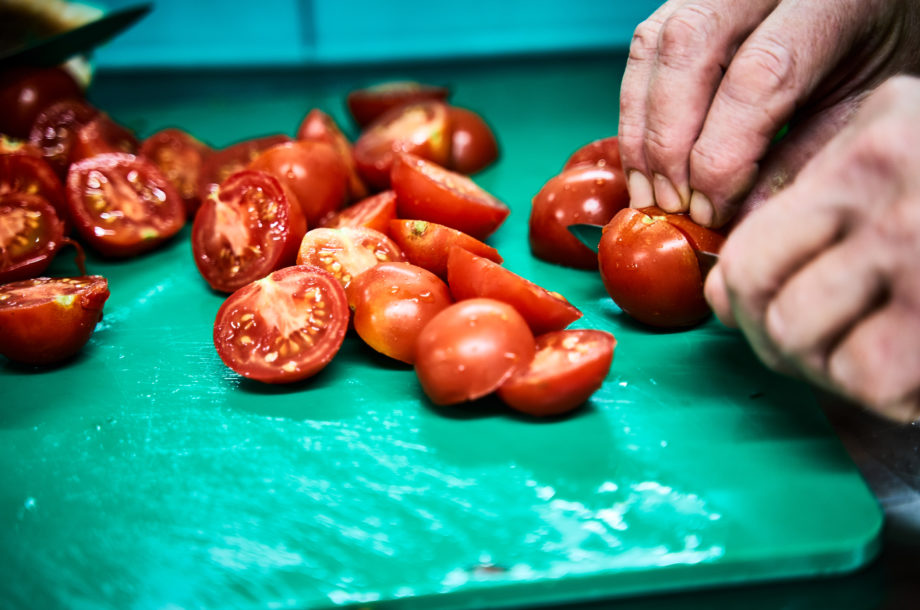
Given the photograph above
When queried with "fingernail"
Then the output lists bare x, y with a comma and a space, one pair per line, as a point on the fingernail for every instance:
701, 210
640, 190
666, 195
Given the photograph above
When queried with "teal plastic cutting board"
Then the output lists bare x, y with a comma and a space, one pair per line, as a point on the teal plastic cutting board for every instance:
145, 474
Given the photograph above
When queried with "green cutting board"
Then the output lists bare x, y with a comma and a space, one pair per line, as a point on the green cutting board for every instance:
145, 474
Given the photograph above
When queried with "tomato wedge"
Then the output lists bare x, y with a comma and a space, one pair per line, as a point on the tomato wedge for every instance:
121, 204
30, 234
569, 366
427, 244
318, 125
347, 252
427, 191
221, 163
55, 130
369, 103
102, 135
470, 276
473, 146
284, 327
24, 173
245, 229
604, 152
471, 348
374, 212
179, 156
46, 320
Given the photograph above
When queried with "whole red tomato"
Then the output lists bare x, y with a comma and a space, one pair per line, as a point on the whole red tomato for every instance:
473, 146
24, 92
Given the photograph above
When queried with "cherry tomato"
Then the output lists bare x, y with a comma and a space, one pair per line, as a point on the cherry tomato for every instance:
17, 146
179, 156
650, 269
391, 303
318, 125
472, 146
470, 276
471, 348
284, 327
102, 135
121, 205
604, 152
245, 229
30, 234
45, 320
313, 171
369, 103
347, 252
23, 173
55, 129
426, 191
374, 212
24, 92
220, 164
427, 244
569, 366
421, 129
583, 194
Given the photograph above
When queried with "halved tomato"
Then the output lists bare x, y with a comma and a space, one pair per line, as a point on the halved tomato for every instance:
56, 127
369, 103
102, 135
421, 129
245, 229
347, 252
121, 204
223, 162
470, 276
24, 173
569, 366
17, 146
30, 234
471, 348
427, 191
427, 244
46, 320
604, 152
179, 156
473, 146
318, 125
284, 327
374, 212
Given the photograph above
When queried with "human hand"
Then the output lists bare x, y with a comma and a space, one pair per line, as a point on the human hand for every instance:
709, 83
825, 280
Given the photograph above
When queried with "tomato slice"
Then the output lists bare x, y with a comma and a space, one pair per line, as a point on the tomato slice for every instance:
427, 191
55, 130
604, 152
30, 234
318, 125
392, 302
583, 194
427, 244
102, 135
284, 327
473, 146
312, 170
26, 91
347, 252
46, 320
245, 229
221, 163
471, 348
374, 212
121, 204
24, 173
369, 103
421, 129
471, 276
569, 366
179, 156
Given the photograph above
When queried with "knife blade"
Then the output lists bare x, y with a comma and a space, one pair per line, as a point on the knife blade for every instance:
57, 49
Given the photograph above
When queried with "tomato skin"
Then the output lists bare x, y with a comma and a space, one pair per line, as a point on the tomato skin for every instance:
30, 234
583, 194
428, 244
421, 129
318, 125
470, 276
222, 163
470, 348
427, 191
102, 135
347, 252
55, 130
121, 205
473, 146
374, 212
604, 152
179, 156
284, 327
391, 303
25, 173
312, 170
650, 270
569, 366
47, 320
26, 91
369, 103
246, 228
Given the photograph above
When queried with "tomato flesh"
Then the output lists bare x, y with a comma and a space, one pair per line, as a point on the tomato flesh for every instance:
179, 156
55, 130
102, 135
374, 212
47, 320
25, 173
347, 252
30, 234
428, 244
284, 327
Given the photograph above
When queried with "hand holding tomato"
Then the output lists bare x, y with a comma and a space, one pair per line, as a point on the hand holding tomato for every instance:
830, 290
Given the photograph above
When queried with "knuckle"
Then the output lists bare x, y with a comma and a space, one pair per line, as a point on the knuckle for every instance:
644, 43
759, 71
685, 32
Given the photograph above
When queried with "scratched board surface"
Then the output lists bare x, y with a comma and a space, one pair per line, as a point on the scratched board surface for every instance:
145, 474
